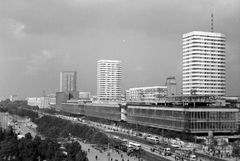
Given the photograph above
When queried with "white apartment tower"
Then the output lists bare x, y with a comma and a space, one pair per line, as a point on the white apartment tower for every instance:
204, 64
109, 80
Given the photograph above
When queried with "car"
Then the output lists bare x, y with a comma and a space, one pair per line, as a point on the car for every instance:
175, 145
116, 137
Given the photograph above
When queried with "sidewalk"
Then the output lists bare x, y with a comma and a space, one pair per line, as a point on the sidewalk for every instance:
214, 157
103, 156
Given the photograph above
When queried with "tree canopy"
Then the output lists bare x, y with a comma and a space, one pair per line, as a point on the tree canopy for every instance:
54, 127
27, 148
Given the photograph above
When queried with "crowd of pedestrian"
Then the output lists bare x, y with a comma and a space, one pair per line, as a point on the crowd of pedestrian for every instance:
217, 153
121, 155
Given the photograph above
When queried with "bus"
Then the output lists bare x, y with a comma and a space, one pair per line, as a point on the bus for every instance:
135, 146
152, 140
162, 150
185, 156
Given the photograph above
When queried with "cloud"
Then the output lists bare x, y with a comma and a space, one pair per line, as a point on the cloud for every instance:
14, 58
40, 62
18, 31
30, 70
139, 69
11, 27
41, 38
43, 56
233, 57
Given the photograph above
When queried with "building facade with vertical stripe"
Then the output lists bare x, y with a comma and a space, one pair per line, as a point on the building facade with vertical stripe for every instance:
204, 64
109, 80
68, 81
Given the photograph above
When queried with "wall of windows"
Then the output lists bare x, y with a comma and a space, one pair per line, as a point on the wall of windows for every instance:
200, 120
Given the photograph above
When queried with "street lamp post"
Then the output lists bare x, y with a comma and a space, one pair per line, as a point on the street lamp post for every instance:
128, 133
108, 151
162, 134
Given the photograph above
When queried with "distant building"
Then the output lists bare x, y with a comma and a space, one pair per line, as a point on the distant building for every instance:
52, 100
34, 101
13, 98
109, 80
62, 97
68, 81
233, 101
93, 98
171, 86
123, 97
84, 95
152, 93
4, 120
204, 64
41, 102
2, 99
127, 95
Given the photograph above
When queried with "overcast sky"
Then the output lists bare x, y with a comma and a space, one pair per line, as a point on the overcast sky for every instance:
40, 38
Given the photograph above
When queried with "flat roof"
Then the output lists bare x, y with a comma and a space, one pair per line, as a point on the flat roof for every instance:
103, 60
150, 87
203, 33
186, 108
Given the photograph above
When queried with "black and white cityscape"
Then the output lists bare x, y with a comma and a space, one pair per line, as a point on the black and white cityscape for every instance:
120, 81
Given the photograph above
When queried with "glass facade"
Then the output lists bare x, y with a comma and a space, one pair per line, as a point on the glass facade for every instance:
218, 121
110, 112
195, 120
73, 108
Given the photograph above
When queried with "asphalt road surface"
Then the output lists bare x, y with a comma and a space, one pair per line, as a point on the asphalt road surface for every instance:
155, 156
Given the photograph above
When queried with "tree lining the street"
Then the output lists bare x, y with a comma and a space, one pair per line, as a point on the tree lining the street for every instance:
150, 130
27, 148
19, 108
54, 127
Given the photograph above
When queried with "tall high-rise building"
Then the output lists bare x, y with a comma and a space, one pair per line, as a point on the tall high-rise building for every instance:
109, 80
171, 86
204, 64
68, 81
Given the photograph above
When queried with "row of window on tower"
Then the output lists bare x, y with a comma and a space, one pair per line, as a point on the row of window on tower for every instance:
204, 76
199, 38
203, 80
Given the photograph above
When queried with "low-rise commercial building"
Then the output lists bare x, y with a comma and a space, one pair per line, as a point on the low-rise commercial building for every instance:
84, 95
62, 97
41, 102
153, 93
52, 100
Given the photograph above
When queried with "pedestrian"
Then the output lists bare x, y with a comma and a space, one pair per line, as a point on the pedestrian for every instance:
88, 150
96, 157
121, 155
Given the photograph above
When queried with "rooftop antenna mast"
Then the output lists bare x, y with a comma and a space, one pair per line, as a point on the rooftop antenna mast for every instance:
212, 19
